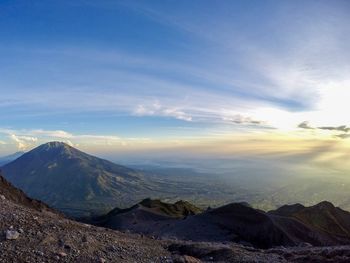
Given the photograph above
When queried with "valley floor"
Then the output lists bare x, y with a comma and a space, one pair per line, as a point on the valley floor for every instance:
48, 237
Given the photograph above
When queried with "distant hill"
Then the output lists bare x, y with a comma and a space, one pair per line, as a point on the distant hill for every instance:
243, 224
75, 182
324, 217
145, 216
287, 210
179, 209
292, 225
9, 158
234, 222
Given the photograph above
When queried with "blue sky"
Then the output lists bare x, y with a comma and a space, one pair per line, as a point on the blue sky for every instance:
108, 75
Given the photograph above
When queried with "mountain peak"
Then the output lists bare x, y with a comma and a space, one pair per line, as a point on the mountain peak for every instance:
55, 144
178, 209
287, 210
324, 205
73, 181
58, 148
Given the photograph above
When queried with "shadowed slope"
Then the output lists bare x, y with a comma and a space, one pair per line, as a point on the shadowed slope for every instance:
9, 192
324, 217
9, 158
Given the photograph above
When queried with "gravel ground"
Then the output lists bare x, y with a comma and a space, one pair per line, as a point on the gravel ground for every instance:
47, 237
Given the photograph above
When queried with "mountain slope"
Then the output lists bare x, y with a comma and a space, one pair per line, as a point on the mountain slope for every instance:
239, 223
267, 229
323, 216
9, 192
9, 158
73, 181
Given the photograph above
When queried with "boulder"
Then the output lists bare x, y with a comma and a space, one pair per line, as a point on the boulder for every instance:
11, 234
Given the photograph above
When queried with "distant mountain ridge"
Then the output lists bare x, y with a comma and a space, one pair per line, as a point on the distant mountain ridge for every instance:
323, 216
73, 181
9, 158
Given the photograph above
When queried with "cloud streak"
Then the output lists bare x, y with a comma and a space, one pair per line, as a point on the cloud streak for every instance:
342, 128
156, 109
27, 139
23, 142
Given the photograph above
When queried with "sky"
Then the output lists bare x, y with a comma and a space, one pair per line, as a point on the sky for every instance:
207, 78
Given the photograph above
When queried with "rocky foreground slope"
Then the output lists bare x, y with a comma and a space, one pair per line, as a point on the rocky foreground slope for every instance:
36, 233
47, 237
30, 231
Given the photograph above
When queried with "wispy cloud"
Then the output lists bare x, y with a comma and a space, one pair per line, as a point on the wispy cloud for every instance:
23, 142
305, 125
27, 139
342, 128
240, 119
156, 109
53, 134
